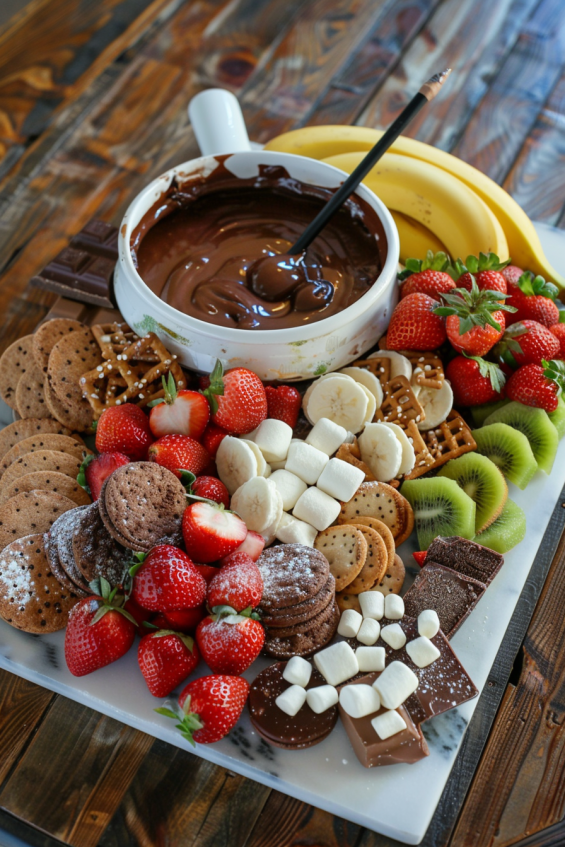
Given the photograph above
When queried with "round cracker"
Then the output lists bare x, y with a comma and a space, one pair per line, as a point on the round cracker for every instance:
34, 511
376, 500
345, 549
30, 398
60, 483
66, 415
19, 430
393, 579
73, 356
48, 441
48, 335
375, 565
383, 531
31, 598
348, 601
40, 460
14, 362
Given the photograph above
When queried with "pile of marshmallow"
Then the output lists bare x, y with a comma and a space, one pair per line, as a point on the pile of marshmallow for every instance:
339, 662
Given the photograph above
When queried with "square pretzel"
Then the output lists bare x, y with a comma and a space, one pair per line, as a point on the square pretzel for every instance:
400, 404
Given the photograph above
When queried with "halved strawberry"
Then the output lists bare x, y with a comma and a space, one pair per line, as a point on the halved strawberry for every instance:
180, 412
95, 470
211, 532
252, 545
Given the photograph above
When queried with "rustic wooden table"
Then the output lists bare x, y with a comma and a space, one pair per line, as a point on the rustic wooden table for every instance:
93, 102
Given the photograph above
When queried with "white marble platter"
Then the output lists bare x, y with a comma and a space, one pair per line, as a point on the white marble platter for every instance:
396, 801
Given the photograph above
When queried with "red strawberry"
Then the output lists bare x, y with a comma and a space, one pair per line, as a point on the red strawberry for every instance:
532, 297
166, 580
210, 707
181, 620
208, 572
427, 276
211, 488
138, 614
414, 326
238, 584
124, 429
538, 385
95, 470
558, 330
99, 631
181, 412
475, 381
237, 399
420, 556
229, 644
179, 452
211, 532
527, 343
511, 274
212, 438
475, 319
166, 658
486, 270
252, 545
283, 403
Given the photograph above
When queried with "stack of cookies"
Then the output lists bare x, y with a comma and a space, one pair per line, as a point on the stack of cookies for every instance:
298, 607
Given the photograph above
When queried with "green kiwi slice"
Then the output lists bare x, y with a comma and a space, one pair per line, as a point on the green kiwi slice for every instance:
557, 417
510, 451
506, 531
535, 425
481, 413
440, 508
482, 481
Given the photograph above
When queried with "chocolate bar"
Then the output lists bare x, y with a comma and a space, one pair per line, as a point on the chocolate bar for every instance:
466, 557
84, 270
451, 594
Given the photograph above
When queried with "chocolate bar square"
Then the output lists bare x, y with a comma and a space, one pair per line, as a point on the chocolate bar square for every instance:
466, 557
451, 594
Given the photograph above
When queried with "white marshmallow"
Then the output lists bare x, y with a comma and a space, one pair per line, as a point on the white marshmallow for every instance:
393, 635
316, 508
428, 623
394, 607
321, 698
337, 663
291, 700
277, 466
292, 531
371, 659
372, 604
272, 437
306, 462
298, 671
422, 651
349, 623
387, 724
396, 683
290, 487
359, 700
369, 631
326, 436
340, 479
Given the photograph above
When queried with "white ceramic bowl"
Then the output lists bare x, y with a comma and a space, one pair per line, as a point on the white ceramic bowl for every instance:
285, 354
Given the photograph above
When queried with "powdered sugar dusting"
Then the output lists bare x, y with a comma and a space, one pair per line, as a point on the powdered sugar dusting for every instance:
291, 574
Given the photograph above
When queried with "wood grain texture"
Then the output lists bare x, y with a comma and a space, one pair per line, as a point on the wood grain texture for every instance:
285, 821
22, 708
74, 803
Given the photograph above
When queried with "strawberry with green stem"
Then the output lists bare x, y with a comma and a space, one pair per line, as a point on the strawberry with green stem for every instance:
166, 658
538, 385
237, 399
526, 343
485, 269
181, 412
426, 276
474, 319
230, 642
209, 707
474, 380
532, 298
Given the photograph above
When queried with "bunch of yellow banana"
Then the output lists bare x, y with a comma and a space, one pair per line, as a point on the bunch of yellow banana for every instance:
438, 201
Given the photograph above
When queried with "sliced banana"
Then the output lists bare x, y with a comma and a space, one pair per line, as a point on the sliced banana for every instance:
371, 404
312, 386
268, 471
368, 379
408, 453
340, 399
236, 462
437, 404
261, 462
399, 364
270, 533
258, 503
381, 450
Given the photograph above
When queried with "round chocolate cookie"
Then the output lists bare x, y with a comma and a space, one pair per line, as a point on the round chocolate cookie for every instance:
292, 615
95, 552
31, 598
52, 554
303, 643
118, 537
303, 730
144, 503
61, 534
292, 574
313, 623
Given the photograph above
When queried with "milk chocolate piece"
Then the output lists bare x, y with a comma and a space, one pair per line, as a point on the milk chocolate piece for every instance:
84, 270
466, 557
451, 594
406, 747
303, 730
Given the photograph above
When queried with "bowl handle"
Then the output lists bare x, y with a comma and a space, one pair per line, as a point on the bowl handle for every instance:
218, 123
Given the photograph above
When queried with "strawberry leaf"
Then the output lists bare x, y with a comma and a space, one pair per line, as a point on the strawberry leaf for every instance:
435, 262
187, 478
167, 712
555, 371
216, 387
536, 285
562, 316
81, 476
